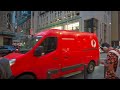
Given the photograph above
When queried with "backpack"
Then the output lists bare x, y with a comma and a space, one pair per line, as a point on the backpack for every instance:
118, 65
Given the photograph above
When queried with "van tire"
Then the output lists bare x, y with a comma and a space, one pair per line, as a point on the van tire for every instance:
26, 76
91, 67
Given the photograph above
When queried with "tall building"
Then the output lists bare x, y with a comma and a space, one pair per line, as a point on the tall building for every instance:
115, 32
98, 22
6, 29
23, 25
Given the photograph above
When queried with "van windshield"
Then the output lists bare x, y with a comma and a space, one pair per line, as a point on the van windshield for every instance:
29, 43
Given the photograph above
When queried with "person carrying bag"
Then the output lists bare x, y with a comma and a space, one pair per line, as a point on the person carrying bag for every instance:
117, 72
111, 63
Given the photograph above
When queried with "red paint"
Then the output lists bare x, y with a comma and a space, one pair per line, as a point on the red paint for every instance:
72, 48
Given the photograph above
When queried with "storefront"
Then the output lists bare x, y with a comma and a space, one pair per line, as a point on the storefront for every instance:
68, 26
58, 27
72, 26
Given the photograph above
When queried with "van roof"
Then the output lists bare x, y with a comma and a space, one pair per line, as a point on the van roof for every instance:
55, 31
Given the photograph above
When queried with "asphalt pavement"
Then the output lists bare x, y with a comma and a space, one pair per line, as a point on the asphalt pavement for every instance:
97, 74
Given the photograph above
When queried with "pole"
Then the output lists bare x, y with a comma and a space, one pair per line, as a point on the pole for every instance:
85, 71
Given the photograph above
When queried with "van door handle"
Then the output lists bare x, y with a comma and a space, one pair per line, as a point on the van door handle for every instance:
55, 58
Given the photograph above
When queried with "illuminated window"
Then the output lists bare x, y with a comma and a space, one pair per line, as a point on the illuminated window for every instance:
59, 27
72, 26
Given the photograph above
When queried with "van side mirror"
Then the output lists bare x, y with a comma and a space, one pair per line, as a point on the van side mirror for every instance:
39, 50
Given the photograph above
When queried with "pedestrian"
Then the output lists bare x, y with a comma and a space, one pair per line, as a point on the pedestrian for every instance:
111, 61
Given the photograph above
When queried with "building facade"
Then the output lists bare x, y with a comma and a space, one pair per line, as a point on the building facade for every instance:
23, 25
6, 29
115, 32
98, 22
54, 19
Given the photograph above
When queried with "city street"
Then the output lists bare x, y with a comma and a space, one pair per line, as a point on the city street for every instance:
53, 44
97, 74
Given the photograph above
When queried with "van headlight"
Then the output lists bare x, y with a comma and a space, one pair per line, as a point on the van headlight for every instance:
12, 61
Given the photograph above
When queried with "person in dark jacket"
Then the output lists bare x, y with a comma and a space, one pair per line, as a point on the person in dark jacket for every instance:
5, 71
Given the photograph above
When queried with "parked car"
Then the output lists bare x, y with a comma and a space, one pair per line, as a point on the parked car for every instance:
3, 51
6, 49
10, 48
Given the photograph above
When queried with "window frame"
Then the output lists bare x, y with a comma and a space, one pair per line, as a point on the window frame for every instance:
56, 44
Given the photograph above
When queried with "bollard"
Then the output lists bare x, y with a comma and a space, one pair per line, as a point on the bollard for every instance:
105, 68
85, 71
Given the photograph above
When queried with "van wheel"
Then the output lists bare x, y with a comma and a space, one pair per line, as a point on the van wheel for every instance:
91, 67
26, 76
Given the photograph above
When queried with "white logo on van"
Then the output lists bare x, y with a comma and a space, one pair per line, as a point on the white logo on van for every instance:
93, 43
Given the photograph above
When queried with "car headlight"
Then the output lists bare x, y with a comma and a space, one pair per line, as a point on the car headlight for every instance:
12, 61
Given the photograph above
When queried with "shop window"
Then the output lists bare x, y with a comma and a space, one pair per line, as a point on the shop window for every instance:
59, 27
72, 26
7, 41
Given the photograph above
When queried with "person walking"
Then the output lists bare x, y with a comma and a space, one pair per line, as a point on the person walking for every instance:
111, 61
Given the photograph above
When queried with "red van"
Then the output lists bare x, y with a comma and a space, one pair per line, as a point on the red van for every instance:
55, 53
